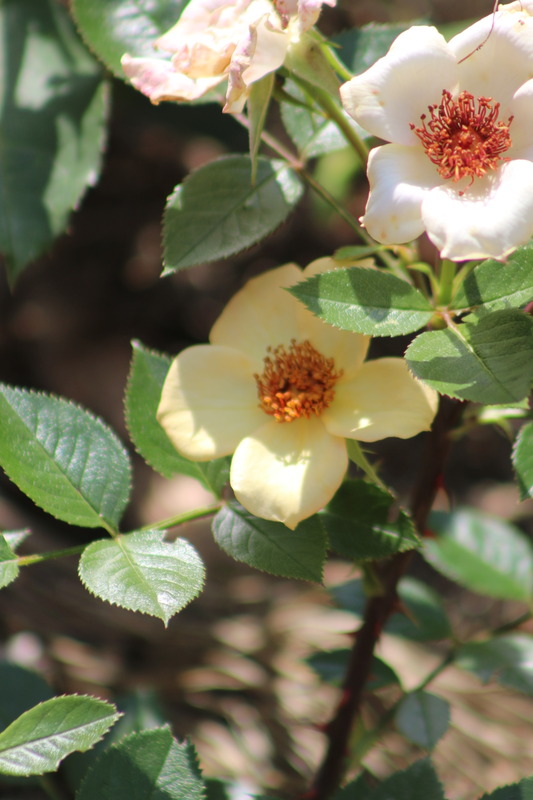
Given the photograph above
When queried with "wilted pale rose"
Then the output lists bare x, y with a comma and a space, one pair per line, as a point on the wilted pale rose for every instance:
215, 40
282, 391
459, 116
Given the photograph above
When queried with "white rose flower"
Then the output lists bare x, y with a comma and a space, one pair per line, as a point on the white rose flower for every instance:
458, 116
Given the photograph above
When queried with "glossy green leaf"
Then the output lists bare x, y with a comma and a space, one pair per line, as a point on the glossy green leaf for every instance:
44, 735
358, 526
515, 791
148, 371
488, 361
523, 460
142, 572
52, 121
417, 782
496, 286
331, 667
257, 105
63, 457
114, 27
424, 618
423, 718
270, 546
217, 212
312, 132
482, 553
9, 568
150, 764
365, 301
506, 659
20, 689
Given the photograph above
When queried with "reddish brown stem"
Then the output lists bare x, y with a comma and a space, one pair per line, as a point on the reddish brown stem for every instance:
379, 608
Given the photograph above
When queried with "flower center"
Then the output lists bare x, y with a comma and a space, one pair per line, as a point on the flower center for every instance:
296, 382
463, 137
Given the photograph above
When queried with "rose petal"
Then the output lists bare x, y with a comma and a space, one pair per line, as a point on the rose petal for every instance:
260, 315
159, 81
209, 402
287, 471
383, 400
399, 87
400, 177
491, 219
506, 39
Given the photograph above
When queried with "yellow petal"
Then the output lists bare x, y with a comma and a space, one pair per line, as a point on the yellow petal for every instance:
346, 348
287, 471
260, 315
382, 400
209, 402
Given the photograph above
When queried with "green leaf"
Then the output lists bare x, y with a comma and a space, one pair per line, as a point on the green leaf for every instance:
487, 361
258, 104
63, 457
359, 48
358, 526
142, 572
148, 371
423, 718
482, 553
496, 286
270, 546
306, 59
365, 301
15, 538
114, 27
523, 460
507, 659
20, 689
54, 106
150, 764
217, 212
515, 791
417, 782
9, 568
40, 738
424, 618
331, 667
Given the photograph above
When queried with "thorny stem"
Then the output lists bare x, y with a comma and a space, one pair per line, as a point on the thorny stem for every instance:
379, 608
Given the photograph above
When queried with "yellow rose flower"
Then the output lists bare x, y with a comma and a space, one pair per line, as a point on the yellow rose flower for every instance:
282, 391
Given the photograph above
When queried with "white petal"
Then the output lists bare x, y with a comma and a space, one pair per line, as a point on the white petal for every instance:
158, 80
209, 402
522, 124
400, 177
505, 58
491, 219
287, 471
346, 348
260, 315
399, 87
383, 400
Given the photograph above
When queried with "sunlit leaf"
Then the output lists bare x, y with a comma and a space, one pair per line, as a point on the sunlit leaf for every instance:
523, 460
506, 659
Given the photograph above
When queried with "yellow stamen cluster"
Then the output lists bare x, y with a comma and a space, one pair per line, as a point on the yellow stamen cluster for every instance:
296, 382
463, 140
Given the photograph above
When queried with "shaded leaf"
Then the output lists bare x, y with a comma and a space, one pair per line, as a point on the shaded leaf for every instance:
424, 618
523, 460
65, 459
270, 546
20, 689
44, 735
145, 765
417, 782
482, 553
515, 791
331, 667
423, 718
365, 301
114, 27
54, 105
217, 212
506, 659
357, 523
142, 572
488, 361
359, 48
496, 286
148, 371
